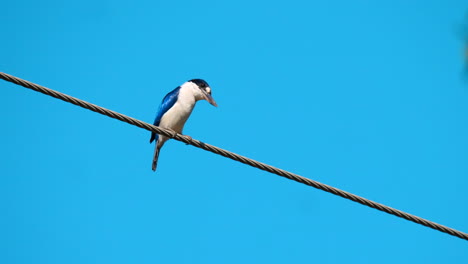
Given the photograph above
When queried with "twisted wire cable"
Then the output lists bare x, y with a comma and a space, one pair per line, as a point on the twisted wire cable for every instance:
234, 156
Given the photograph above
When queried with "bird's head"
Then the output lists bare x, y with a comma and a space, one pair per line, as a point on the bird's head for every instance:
205, 90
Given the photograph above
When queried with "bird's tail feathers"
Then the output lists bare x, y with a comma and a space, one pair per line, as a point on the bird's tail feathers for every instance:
155, 157
159, 145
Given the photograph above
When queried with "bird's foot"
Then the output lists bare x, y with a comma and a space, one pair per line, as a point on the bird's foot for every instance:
173, 133
189, 139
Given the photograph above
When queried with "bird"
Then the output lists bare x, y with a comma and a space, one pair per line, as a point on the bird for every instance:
176, 108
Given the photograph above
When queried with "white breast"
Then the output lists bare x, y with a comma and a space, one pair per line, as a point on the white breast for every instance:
176, 117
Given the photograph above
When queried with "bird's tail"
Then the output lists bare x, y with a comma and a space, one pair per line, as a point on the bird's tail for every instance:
159, 143
156, 156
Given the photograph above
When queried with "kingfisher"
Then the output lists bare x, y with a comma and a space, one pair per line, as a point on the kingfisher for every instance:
176, 108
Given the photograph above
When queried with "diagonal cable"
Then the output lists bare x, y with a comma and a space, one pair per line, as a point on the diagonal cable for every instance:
234, 156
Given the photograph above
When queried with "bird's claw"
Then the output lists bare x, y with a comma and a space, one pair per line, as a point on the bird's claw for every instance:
189, 138
173, 133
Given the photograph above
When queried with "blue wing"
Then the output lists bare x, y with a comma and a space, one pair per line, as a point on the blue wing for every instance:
169, 100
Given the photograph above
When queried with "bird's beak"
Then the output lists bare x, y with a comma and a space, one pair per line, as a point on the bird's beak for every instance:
209, 98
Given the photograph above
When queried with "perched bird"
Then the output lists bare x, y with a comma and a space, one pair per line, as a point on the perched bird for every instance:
176, 108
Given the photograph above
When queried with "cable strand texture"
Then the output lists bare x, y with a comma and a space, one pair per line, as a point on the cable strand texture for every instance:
233, 156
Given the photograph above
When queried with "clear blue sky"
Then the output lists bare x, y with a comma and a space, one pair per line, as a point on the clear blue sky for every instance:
366, 96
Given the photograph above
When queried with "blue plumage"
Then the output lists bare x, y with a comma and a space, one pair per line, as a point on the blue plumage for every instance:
169, 100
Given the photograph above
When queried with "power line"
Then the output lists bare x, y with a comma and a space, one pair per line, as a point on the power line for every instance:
233, 156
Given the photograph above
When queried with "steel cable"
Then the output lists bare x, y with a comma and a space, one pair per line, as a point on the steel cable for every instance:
233, 156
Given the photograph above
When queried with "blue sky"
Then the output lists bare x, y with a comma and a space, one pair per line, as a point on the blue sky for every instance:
366, 96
